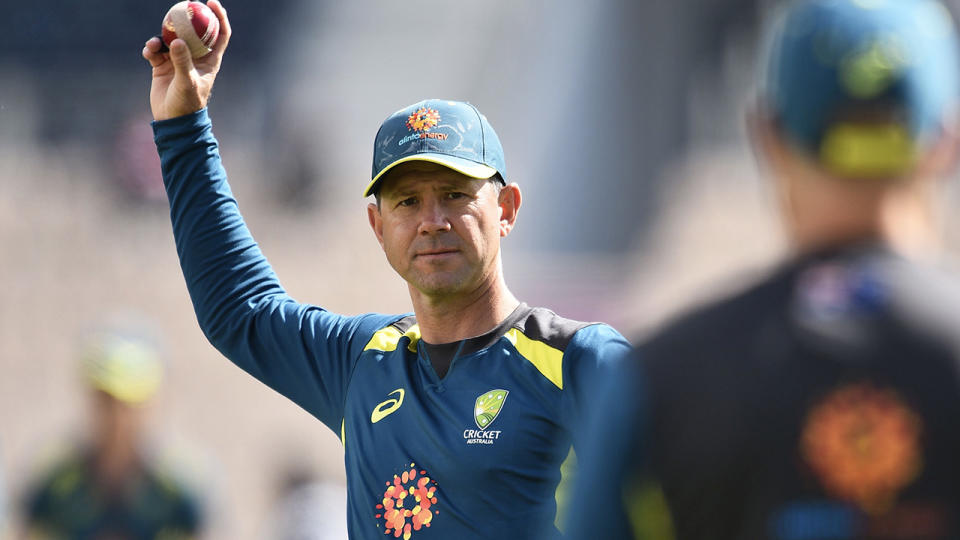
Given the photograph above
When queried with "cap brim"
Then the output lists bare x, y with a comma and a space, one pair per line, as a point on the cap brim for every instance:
461, 165
128, 387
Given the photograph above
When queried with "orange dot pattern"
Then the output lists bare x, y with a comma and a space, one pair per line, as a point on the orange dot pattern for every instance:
863, 443
423, 119
408, 503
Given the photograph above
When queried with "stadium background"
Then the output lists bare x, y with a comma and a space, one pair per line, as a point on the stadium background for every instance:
622, 122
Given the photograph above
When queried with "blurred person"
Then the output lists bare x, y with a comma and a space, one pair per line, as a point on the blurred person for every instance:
4, 505
821, 402
456, 419
112, 487
135, 165
308, 507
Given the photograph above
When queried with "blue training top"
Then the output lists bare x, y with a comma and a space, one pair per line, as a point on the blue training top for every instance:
476, 454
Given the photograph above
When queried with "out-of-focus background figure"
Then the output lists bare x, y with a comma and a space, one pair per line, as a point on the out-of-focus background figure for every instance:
111, 485
4, 510
820, 401
308, 506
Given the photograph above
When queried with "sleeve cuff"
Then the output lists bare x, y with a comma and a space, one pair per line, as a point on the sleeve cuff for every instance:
180, 126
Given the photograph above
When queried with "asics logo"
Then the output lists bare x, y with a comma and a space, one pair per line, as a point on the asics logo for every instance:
387, 407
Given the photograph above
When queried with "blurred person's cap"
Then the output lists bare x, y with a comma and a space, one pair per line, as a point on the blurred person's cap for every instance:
450, 133
863, 85
125, 367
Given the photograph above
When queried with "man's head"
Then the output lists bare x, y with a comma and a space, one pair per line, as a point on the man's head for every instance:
862, 87
858, 99
124, 372
442, 200
450, 133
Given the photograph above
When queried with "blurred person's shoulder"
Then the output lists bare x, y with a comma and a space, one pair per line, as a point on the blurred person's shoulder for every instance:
54, 461
178, 485
58, 473
181, 471
924, 298
718, 319
844, 301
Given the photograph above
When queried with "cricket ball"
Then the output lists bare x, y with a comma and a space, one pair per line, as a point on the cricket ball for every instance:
194, 23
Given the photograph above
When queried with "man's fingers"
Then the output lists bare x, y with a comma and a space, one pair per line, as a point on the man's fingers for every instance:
225, 30
154, 44
153, 51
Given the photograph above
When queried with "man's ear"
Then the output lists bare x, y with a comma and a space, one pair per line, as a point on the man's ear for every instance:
773, 153
509, 202
376, 221
941, 158
761, 131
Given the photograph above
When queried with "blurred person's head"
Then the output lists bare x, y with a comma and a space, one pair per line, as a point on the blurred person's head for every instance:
857, 116
123, 373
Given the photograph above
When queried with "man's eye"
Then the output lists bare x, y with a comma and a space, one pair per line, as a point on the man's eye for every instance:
409, 201
455, 195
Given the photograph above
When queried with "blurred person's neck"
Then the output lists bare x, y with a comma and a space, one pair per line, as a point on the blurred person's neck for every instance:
821, 213
115, 458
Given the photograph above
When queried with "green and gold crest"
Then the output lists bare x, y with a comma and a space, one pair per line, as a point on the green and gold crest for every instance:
488, 407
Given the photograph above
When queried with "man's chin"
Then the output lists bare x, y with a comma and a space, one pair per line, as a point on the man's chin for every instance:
439, 291
439, 286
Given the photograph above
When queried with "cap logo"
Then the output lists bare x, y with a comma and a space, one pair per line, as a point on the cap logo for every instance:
423, 119
421, 122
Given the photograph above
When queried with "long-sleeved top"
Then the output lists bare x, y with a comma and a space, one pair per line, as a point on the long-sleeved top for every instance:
476, 453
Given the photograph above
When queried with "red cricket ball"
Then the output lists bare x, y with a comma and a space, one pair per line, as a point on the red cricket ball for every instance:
194, 23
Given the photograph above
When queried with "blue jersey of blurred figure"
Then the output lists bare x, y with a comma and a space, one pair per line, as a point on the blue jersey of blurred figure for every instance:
821, 402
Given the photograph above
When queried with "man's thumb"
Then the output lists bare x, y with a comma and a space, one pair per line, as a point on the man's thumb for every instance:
180, 56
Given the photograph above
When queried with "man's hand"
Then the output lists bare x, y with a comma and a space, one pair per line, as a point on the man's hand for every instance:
182, 84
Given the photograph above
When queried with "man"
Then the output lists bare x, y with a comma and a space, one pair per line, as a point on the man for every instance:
822, 402
112, 487
454, 420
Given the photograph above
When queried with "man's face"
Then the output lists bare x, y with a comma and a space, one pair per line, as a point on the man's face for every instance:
441, 230
115, 421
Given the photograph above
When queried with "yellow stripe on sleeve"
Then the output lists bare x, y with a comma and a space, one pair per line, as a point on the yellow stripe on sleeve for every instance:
388, 338
385, 340
548, 361
568, 471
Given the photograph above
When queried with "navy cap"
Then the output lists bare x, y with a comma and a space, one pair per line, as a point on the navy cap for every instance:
861, 85
451, 133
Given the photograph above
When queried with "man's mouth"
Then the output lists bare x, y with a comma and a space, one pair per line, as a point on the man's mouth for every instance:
439, 252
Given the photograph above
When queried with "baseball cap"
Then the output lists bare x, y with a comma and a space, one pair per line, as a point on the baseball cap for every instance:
126, 367
450, 133
862, 85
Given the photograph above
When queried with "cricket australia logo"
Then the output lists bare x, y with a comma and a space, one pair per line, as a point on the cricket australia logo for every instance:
485, 411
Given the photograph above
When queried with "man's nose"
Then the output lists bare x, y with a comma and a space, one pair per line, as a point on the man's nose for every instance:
433, 217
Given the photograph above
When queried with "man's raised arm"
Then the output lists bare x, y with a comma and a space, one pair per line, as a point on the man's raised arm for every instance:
302, 351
